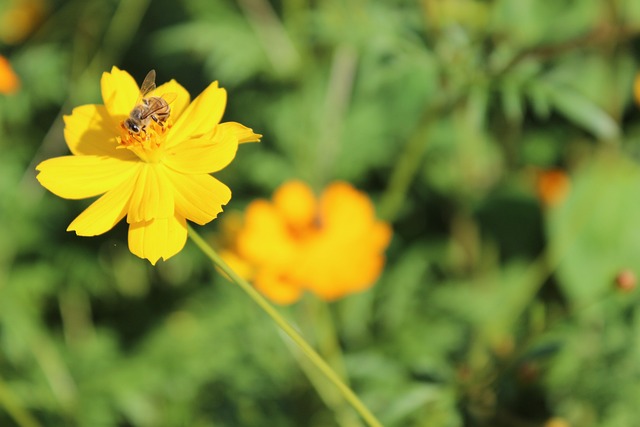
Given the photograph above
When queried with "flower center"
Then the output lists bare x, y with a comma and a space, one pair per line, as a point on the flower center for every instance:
147, 144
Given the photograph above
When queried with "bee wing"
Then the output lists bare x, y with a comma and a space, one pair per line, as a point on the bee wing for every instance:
169, 97
148, 84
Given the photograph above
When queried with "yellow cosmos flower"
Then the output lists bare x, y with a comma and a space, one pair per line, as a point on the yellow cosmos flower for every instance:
331, 246
158, 178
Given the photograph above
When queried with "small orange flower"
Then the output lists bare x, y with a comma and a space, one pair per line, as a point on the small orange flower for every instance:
19, 19
626, 280
9, 82
557, 422
552, 186
331, 246
636, 88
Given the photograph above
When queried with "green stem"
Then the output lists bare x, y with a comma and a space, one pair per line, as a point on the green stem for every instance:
320, 330
410, 159
313, 356
10, 403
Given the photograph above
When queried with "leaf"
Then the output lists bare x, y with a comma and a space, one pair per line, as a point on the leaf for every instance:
594, 233
583, 112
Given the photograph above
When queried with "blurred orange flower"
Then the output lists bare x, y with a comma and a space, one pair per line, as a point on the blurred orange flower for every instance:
19, 18
636, 88
331, 246
552, 186
9, 81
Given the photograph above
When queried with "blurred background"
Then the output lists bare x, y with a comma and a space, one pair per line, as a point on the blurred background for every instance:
498, 137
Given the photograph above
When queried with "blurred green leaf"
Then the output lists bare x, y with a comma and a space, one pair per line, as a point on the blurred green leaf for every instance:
593, 234
583, 112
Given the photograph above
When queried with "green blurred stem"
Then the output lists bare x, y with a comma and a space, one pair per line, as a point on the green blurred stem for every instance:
311, 354
402, 175
9, 401
410, 159
277, 45
318, 322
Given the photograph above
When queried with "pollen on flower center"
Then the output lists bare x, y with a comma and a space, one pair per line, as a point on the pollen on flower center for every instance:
146, 144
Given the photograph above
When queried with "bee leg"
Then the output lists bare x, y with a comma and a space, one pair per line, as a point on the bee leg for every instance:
158, 121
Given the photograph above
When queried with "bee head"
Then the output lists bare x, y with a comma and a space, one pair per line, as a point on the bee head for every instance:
132, 126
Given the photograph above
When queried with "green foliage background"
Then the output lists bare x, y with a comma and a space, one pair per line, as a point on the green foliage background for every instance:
492, 310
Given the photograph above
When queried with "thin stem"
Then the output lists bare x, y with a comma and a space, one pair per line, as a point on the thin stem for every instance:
410, 159
278, 46
336, 103
313, 356
20, 415
318, 324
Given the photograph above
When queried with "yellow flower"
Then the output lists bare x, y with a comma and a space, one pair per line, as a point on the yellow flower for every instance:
158, 178
332, 246
9, 82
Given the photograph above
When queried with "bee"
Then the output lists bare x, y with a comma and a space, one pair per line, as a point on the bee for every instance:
154, 108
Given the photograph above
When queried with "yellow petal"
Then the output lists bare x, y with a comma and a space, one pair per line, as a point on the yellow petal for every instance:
199, 198
79, 177
335, 268
266, 239
340, 203
103, 214
170, 89
240, 266
198, 156
200, 117
296, 202
90, 130
243, 133
158, 238
119, 92
379, 237
152, 196
275, 287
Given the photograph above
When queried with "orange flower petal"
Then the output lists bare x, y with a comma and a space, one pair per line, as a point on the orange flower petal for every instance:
152, 197
90, 130
200, 117
333, 268
296, 203
79, 177
340, 203
240, 266
378, 237
201, 156
345, 255
103, 214
158, 238
553, 186
199, 198
120, 93
276, 288
9, 81
265, 239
